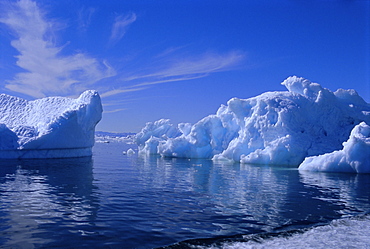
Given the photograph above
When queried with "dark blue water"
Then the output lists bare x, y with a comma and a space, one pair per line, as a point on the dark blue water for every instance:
118, 201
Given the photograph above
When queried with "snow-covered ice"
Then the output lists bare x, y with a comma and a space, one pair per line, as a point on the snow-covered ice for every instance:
354, 157
53, 127
273, 128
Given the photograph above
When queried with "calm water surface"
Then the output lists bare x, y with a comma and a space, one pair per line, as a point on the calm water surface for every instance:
118, 201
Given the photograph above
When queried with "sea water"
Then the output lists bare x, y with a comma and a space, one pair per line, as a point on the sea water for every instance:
113, 200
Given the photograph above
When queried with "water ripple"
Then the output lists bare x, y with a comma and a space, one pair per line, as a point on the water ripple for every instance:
118, 201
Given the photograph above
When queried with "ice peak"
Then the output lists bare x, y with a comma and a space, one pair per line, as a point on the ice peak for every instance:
302, 86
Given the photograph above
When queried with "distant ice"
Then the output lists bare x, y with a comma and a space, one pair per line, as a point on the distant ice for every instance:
272, 128
130, 152
109, 137
53, 127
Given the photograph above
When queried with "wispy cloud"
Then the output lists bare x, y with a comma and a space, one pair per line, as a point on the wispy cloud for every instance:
120, 26
176, 70
182, 69
47, 71
198, 66
84, 18
121, 90
115, 110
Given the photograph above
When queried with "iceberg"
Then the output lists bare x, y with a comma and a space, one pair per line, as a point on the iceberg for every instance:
354, 157
130, 152
282, 127
52, 127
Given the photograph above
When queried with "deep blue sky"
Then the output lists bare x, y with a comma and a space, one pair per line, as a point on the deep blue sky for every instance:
179, 59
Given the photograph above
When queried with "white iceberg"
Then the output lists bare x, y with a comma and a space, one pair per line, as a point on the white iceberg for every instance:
354, 157
53, 127
129, 152
272, 128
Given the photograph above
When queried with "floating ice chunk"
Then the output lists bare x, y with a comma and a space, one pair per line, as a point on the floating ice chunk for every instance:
272, 128
159, 129
354, 157
130, 152
50, 127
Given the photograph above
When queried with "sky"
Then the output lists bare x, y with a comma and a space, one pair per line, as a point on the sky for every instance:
179, 60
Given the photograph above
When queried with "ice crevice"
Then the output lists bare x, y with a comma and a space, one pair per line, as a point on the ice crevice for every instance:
283, 127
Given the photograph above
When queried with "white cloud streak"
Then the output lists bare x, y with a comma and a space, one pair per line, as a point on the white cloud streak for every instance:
184, 69
119, 91
120, 26
115, 110
181, 70
84, 18
47, 72
203, 65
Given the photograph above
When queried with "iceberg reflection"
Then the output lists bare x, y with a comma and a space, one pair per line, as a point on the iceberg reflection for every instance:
351, 190
38, 195
115, 200
241, 198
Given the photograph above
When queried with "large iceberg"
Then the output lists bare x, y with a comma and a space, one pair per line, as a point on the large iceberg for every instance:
273, 128
53, 127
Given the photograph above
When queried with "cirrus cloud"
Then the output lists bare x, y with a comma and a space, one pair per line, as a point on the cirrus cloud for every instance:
46, 70
120, 26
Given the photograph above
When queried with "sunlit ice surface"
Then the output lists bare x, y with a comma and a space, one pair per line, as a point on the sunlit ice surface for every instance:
51, 127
